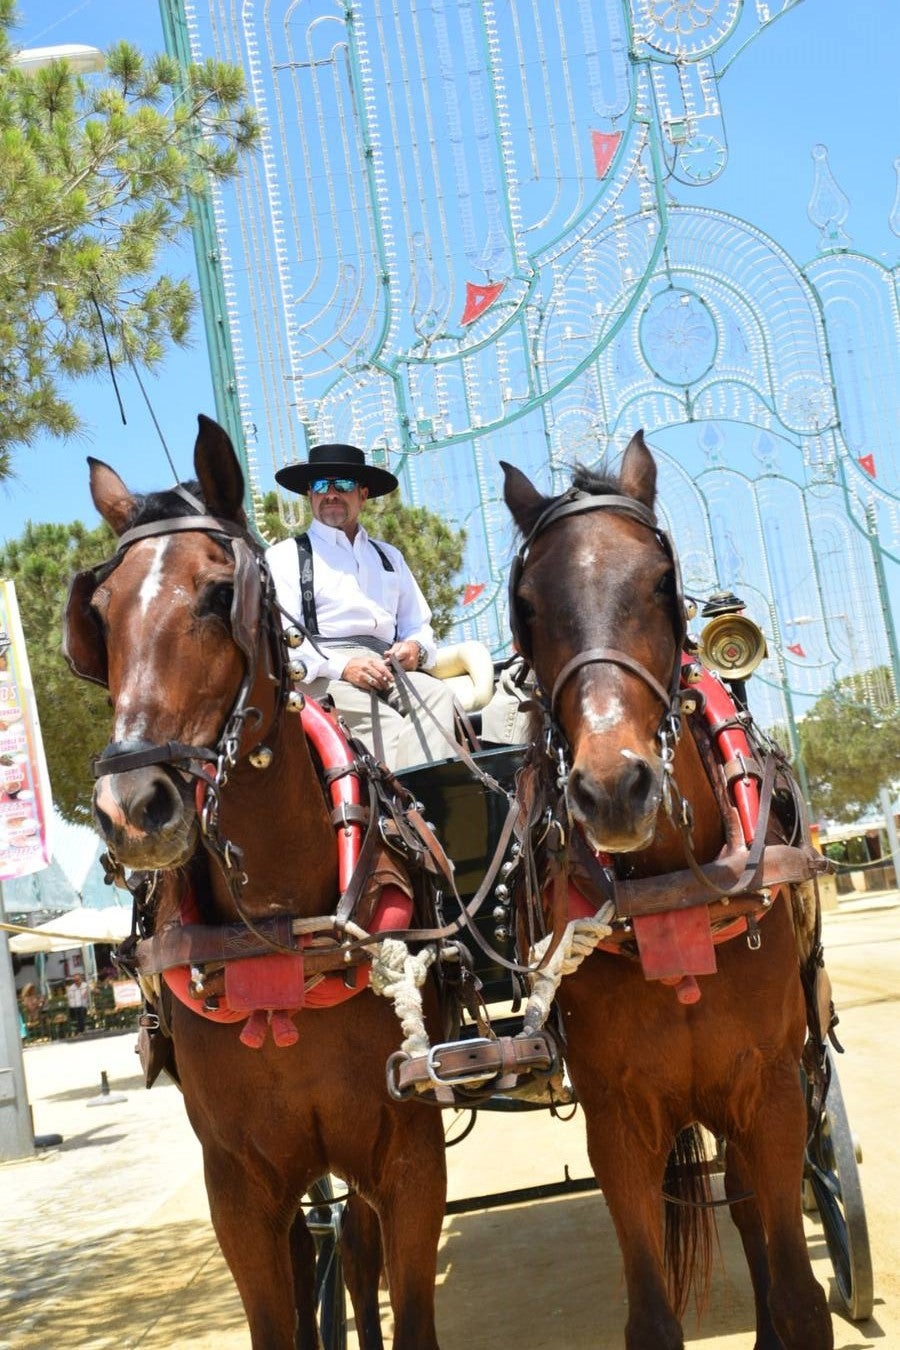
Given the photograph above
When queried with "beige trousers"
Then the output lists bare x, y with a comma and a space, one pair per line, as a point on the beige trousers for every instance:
408, 738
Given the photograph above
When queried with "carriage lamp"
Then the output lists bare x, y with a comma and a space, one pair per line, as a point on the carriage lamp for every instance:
731, 644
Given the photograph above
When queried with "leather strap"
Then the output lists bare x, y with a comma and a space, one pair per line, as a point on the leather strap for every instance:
610, 655
781, 864
489, 1066
216, 944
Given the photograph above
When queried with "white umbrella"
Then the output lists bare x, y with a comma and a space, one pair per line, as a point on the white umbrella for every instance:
78, 928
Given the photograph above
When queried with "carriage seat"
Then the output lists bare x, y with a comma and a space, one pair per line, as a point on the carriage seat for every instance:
468, 669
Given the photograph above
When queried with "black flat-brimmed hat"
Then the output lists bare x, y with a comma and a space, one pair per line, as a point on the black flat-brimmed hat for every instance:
336, 461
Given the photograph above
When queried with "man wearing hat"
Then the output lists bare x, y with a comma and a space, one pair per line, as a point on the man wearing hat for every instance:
363, 605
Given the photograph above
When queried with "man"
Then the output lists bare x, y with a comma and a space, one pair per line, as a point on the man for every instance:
78, 997
364, 605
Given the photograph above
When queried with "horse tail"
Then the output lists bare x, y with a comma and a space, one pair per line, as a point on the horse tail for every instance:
689, 1224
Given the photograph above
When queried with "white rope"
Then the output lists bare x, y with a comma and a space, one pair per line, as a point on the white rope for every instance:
578, 941
399, 975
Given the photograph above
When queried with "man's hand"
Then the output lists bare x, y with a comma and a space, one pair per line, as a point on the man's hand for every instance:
369, 672
405, 653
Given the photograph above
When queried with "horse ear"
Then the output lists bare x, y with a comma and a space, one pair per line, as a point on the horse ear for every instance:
218, 471
521, 496
111, 497
638, 476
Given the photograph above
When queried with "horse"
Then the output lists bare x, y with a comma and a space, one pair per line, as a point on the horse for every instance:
597, 612
211, 786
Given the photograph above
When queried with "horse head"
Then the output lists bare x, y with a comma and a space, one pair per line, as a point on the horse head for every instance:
171, 625
596, 609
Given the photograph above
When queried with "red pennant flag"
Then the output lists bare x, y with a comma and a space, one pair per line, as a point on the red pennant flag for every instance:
797, 650
478, 299
472, 592
868, 463
605, 145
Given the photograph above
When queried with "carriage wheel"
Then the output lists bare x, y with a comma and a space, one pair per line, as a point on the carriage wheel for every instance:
833, 1176
325, 1220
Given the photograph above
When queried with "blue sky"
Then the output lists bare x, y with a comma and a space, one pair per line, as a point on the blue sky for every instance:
825, 72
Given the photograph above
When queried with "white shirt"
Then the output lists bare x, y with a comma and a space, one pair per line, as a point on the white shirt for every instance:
355, 595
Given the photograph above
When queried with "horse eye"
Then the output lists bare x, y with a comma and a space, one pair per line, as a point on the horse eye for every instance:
217, 600
665, 587
525, 610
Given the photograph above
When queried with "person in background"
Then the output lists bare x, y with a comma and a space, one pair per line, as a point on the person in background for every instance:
359, 599
31, 1011
78, 997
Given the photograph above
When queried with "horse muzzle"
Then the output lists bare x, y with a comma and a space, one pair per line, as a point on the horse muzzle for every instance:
616, 811
147, 816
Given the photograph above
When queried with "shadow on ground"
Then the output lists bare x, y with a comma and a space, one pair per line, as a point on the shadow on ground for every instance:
123, 1293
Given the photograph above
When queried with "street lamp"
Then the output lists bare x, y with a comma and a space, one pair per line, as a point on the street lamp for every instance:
84, 60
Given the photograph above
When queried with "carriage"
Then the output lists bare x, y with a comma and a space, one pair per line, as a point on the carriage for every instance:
635, 866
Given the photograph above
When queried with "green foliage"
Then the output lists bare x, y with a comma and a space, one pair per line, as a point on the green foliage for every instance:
850, 747
97, 180
433, 549
74, 715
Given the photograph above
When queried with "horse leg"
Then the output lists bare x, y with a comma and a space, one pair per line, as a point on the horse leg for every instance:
630, 1174
773, 1145
269, 1257
303, 1266
362, 1261
748, 1222
410, 1201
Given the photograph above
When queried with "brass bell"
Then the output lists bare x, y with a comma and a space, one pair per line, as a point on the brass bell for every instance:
293, 637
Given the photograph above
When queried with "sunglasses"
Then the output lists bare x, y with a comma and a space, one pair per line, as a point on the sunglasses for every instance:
320, 485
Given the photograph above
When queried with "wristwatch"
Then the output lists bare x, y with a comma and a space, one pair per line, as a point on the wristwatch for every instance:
423, 656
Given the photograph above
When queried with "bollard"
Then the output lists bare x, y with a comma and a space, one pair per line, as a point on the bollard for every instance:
106, 1097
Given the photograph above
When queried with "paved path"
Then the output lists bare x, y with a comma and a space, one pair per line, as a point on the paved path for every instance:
105, 1241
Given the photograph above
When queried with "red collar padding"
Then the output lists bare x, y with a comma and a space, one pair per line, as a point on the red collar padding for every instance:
266, 991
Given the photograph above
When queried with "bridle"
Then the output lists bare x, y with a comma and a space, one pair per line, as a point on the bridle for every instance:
84, 646
577, 502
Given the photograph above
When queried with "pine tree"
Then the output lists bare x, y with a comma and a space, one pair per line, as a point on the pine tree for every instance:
98, 176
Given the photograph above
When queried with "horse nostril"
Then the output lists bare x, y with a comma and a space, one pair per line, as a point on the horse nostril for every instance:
104, 822
156, 807
586, 795
638, 783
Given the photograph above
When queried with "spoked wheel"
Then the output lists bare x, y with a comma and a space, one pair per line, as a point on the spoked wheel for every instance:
833, 1176
325, 1220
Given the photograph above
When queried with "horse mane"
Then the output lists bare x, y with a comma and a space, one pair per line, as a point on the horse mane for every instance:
166, 504
592, 481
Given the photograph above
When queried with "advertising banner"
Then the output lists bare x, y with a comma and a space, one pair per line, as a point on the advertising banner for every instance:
24, 783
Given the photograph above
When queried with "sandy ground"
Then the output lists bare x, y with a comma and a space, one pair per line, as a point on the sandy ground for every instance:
105, 1241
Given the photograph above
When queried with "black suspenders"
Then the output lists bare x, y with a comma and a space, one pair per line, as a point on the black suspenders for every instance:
307, 592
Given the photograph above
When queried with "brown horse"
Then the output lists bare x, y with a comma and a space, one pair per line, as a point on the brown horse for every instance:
182, 627
597, 610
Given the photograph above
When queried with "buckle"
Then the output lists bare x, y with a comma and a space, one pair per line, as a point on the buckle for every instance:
458, 1076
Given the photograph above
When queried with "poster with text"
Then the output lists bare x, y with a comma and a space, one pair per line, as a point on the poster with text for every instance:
24, 784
